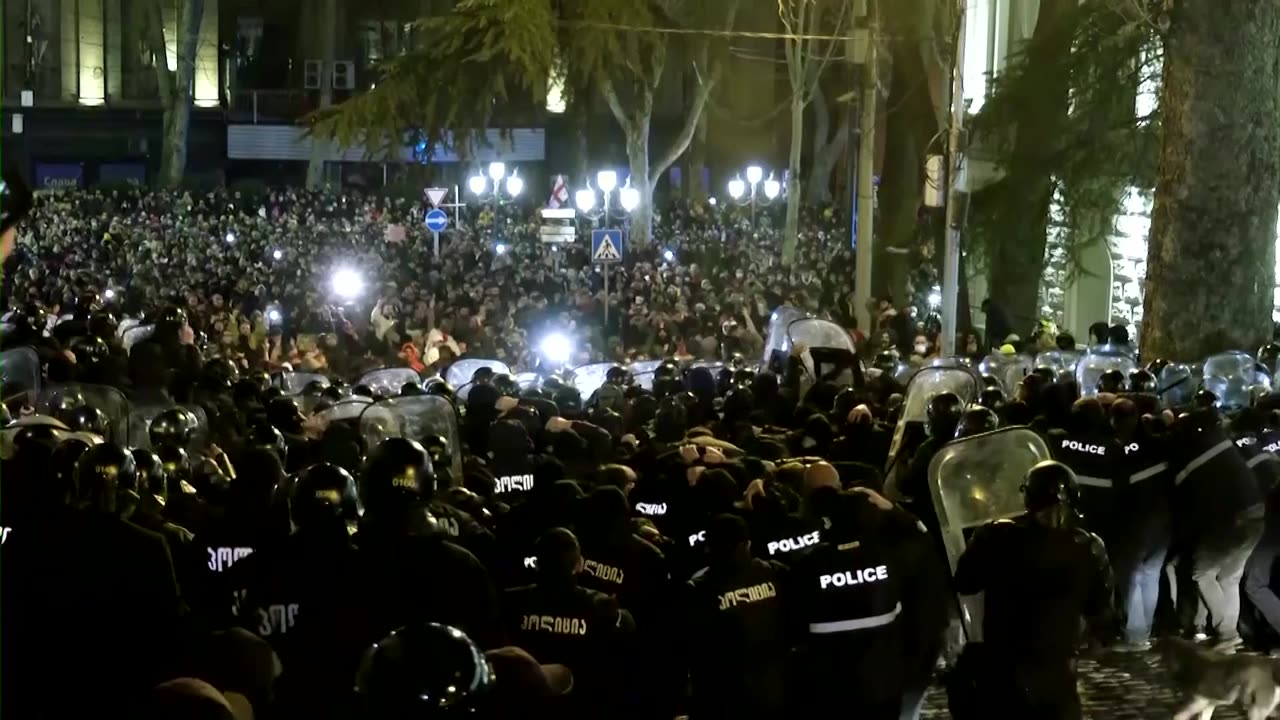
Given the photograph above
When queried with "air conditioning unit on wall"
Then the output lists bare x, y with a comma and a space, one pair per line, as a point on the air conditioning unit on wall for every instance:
344, 75
311, 74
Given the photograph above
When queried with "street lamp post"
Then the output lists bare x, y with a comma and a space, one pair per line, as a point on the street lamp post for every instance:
747, 193
479, 186
585, 199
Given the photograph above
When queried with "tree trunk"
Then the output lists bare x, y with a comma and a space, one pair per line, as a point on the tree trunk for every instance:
177, 112
828, 149
1018, 257
908, 127
695, 185
1211, 259
319, 147
638, 159
791, 232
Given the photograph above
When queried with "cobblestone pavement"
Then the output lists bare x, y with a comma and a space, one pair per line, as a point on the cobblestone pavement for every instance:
1113, 686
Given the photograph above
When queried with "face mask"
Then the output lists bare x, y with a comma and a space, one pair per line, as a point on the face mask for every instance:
920, 349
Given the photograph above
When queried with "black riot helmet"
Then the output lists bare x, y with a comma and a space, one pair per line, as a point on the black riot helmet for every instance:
975, 421
29, 320
667, 369
738, 404
1204, 400
886, 361
362, 390
60, 486
1046, 372
177, 469
283, 414
992, 398
411, 389
1157, 366
1269, 356
989, 380
943, 415
100, 474
65, 401
1050, 484
103, 325
672, 419
324, 497
150, 472
617, 376
743, 377
738, 361
220, 373
667, 386
265, 435
506, 385
34, 437
440, 388
438, 450
173, 315
175, 426
86, 419
1142, 381
845, 401
397, 471
89, 350
1111, 381
314, 388
423, 671
569, 400
482, 376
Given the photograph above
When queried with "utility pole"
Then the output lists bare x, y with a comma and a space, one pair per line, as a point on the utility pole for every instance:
956, 190
320, 148
866, 191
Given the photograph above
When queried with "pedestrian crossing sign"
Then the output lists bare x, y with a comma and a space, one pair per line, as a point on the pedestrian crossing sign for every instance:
606, 246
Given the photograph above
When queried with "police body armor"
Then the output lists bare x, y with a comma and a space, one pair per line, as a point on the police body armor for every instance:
739, 649
850, 599
1098, 463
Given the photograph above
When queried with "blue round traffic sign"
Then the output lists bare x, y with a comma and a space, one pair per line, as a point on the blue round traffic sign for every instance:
437, 220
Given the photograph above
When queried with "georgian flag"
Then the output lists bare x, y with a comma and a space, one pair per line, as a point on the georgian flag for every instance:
559, 193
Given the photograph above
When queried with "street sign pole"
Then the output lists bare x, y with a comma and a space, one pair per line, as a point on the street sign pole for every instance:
606, 249
435, 243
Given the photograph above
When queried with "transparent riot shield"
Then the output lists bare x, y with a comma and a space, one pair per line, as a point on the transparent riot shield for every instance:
642, 372
140, 417
135, 335
60, 431
588, 378
528, 380
460, 372
777, 342
105, 398
1098, 360
388, 381
1229, 376
126, 324
347, 409
414, 418
1008, 369
977, 480
1177, 385
830, 348
292, 383
20, 372
924, 385
1062, 361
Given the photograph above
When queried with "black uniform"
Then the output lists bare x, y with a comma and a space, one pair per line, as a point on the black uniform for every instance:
1098, 462
1038, 582
737, 642
571, 625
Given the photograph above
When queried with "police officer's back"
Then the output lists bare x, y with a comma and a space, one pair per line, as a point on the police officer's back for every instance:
1088, 447
851, 593
410, 571
299, 595
559, 621
1040, 575
736, 640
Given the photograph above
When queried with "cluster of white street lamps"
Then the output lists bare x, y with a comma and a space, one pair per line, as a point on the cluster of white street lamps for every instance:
606, 183
748, 192
479, 184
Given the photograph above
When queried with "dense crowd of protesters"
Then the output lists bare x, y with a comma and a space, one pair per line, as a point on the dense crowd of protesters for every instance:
255, 273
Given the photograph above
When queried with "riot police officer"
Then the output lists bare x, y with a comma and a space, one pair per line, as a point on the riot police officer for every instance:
736, 640
869, 608
944, 414
557, 620
405, 555
300, 596
423, 671
1089, 448
1040, 574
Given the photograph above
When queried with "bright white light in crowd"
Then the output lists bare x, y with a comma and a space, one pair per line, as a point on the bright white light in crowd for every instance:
109, 294
514, 185
585, 199
500, 248
935, 298
556, 348
755, 174
772, 188
477, 184
607, 180
737, 188
273, 315
712, 201
347, 284
629, 197
277, 254
668, 256
231, 237
497, 171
